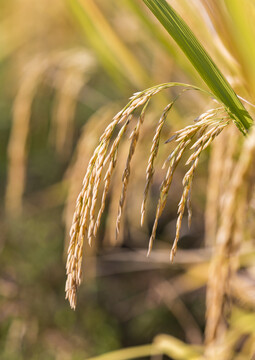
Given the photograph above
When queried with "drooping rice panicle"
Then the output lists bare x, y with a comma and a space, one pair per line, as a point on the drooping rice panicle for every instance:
88, 140
86, 222
112, 157
207, 138
75, 250
183, 137
153, 154
96, 184
187, 182
165, 186
115, 145
79, 225
109, 238
87, 198
125, 177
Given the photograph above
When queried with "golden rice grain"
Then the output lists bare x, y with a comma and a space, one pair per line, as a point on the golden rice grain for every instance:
86, 221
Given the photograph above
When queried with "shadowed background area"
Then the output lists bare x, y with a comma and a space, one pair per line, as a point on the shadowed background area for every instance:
66, 68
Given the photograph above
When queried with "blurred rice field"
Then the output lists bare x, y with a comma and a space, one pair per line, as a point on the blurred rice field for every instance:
66, 68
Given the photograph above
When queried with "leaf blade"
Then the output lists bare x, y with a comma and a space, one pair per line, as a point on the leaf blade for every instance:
201, 60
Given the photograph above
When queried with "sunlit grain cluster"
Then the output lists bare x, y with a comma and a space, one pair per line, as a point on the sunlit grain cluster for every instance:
101, 166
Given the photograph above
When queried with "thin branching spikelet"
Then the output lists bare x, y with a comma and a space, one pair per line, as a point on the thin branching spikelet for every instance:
74, 175
125, 177
87, 218
207, 127
153, 154
107, 179
86, 202
110, 238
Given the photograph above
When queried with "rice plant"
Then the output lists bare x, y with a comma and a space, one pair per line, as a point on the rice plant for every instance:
196, 137
120, 172
86, 221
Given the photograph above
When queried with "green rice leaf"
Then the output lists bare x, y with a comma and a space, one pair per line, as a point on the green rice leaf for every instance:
201, 61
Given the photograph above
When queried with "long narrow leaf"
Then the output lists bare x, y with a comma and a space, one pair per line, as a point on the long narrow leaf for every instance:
200, 59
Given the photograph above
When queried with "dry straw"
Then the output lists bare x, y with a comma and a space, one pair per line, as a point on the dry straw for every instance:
87, 218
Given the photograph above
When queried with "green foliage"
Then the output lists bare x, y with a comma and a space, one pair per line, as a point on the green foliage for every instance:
200, 59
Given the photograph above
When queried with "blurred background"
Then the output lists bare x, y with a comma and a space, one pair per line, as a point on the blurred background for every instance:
66, 68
